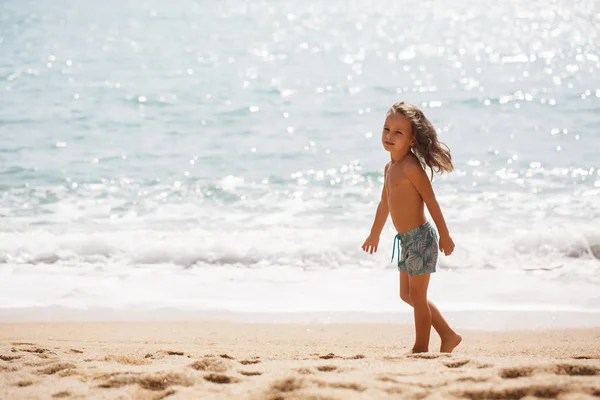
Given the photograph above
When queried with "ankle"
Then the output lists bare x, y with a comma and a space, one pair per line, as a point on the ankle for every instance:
419, 349
448, 335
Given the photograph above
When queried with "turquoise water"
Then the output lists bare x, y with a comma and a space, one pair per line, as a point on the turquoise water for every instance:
147, 145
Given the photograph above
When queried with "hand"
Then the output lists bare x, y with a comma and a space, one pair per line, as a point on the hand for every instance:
446, 245
370, 245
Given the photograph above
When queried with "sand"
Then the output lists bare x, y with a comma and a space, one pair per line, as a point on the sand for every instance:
232, 360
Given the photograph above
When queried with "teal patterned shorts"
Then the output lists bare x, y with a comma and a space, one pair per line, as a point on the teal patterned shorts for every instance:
419, 250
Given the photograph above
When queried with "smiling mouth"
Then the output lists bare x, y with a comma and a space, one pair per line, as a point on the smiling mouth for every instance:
391, 144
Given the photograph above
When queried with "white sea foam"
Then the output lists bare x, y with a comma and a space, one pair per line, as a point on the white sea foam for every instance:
280, 269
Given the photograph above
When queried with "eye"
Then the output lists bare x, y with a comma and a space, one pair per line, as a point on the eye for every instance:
386, 129
398, 133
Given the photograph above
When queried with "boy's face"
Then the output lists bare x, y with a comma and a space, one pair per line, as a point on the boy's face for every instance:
397, 135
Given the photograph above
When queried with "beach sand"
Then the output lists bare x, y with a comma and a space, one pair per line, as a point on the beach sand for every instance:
233, 360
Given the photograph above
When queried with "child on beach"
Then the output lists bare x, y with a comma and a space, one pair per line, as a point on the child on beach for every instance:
413, 145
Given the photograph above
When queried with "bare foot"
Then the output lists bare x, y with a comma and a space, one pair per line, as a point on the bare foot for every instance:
450, 343
416, 350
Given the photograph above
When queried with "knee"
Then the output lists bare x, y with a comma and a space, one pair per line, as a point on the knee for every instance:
418, 298
405, 298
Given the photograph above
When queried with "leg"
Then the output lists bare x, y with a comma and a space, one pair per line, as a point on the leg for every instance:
404, 288
418, 297
449, 338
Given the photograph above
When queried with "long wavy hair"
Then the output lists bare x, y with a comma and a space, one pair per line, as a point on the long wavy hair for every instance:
431, 153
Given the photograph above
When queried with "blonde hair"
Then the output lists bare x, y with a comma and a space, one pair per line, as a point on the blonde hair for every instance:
429, 150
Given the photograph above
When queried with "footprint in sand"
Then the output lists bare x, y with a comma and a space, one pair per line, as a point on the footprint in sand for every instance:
304, 371
163, 353
474, 379
341, 385
23, 383
516, 372
394, 390
428, 356
250, 373
38, 363
456, 364
329, 356
285, 386
62, 394
408, 392
356, 357
211, 364
547, 391
9, 358
127, 360
558, 369
249, 362
576, 370
53, 369
220, 379
37, 351
155, 382
387, 379
327, 368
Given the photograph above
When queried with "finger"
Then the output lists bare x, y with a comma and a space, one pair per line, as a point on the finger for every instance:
375, 249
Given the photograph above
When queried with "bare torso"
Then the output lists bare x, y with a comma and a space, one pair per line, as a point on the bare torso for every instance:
406, 205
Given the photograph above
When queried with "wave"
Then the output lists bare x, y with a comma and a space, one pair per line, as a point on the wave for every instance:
298, 247
188, 248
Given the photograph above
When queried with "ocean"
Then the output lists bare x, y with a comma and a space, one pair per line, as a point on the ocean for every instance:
206, 156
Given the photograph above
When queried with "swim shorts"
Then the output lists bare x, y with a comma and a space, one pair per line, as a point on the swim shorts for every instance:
419, 250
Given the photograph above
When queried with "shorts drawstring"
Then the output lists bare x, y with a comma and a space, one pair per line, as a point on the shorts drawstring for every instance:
397, 241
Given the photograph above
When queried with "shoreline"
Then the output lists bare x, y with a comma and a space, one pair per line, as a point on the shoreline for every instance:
477, 320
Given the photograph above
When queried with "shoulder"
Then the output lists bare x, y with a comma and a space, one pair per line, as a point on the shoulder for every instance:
413, 167
386, 168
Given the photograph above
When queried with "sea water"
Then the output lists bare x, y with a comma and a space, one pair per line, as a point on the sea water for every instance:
226, 155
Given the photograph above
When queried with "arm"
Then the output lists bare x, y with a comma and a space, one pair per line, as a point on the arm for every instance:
383, 209
421, 182
370, 245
